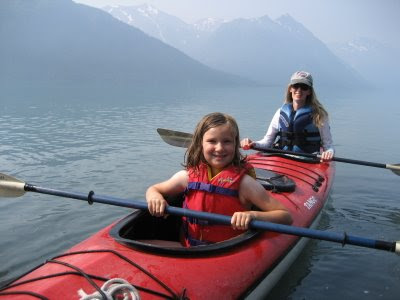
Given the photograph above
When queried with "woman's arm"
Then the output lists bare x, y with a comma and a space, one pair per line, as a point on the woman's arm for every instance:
270, 136
327, 141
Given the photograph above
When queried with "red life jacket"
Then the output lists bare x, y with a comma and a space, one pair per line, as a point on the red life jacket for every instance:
219, 195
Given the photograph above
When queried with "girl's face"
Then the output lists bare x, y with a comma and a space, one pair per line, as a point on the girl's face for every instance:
218, 147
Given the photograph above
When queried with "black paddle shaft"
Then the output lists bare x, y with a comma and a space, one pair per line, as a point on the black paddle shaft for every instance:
335, 158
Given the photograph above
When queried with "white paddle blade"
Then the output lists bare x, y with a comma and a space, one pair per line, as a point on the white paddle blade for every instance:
397, 249
175, 138
10, 186
395, 168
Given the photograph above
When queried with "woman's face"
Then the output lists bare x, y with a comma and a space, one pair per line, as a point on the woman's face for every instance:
218, 147
300, 92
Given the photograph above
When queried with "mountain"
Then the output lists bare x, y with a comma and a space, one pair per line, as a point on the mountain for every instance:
261, 49
61, 43
269, 51
155, 23
378, 62
167, 28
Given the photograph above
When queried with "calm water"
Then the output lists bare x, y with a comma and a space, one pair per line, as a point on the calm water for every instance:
112, 147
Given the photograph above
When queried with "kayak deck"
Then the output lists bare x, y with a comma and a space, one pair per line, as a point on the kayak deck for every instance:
231, 269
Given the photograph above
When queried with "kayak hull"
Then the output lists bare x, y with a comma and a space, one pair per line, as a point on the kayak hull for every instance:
247, 266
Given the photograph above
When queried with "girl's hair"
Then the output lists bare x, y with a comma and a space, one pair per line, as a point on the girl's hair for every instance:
319, 114
194, 154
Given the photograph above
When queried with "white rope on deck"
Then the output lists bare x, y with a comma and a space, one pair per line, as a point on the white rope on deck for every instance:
116, 288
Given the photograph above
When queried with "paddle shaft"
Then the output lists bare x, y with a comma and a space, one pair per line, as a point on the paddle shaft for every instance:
183, 139
226, 220
335, 158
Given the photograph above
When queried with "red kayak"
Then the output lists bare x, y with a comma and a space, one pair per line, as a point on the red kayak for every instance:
139, 256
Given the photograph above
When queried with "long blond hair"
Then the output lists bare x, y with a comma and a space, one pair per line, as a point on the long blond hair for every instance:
194, 154
319, 114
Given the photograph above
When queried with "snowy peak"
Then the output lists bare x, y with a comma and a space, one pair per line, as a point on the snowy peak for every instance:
208, 24
291, 25
361, 44
129, 14
375, 60
265, 20
249, 47
151, 21
148, 10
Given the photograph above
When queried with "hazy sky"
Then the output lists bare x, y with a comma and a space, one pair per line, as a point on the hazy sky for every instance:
330, 21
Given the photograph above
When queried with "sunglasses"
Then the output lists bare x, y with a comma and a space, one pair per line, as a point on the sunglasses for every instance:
302, 86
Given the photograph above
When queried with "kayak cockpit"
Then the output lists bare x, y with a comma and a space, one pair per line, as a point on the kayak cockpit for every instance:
142, 231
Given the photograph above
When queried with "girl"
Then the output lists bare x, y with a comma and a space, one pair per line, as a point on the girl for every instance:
216, 180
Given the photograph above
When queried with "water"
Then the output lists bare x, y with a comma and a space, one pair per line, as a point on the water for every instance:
111, 146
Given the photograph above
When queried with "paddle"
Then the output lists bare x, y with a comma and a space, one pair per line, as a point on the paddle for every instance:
12, 187
182, 139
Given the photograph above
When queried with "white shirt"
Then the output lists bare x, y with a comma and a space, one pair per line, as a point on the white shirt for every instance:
269, 138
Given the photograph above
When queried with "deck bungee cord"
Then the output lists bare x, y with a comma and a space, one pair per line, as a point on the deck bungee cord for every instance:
276, 168
303, 170
104, 291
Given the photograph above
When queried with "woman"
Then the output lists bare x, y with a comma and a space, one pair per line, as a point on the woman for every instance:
301, 124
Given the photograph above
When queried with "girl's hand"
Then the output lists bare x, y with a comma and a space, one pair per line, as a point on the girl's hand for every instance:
157, 206
241, 220
156, 202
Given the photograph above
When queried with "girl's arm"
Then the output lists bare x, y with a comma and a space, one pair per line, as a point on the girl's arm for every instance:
156, 193
252, 192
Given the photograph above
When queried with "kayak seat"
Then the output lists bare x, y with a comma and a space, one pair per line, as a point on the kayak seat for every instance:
162, 243
147, 227
142, 231
274, 182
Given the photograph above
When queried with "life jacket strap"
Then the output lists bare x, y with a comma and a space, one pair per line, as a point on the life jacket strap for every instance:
191, 240
206, 187
297, 138
193, 220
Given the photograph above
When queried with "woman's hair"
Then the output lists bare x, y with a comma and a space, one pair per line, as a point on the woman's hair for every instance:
319, 114
194, 154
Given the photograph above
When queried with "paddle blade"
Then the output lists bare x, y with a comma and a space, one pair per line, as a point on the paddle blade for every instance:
395, 168
175, 138
10, 186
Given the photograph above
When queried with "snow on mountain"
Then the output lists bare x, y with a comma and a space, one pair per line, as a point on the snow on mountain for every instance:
261, 49
268, 50
167, 28
358, 45
377, 62
208, 24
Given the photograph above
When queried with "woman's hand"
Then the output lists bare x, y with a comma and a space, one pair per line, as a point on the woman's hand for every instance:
241, 220
326, 155
246, 144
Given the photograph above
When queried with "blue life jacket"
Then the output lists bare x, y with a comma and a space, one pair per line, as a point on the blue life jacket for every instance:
297, 131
